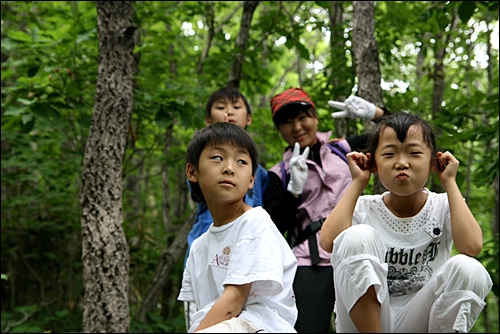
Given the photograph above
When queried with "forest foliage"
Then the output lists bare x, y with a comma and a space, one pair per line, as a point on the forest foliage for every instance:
185, 50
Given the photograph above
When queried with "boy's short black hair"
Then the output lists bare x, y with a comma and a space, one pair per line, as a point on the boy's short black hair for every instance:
401, 122
229, 93
216, 134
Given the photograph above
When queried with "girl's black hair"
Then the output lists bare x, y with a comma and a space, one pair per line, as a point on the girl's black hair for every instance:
217, 134
229, 93
401, 122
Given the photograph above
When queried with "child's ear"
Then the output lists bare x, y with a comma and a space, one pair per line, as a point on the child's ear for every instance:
251, 184
371, 164
435, 164
249, 120
191, 172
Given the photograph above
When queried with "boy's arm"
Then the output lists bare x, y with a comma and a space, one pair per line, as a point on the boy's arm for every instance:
341, 216
228, 306
466, 232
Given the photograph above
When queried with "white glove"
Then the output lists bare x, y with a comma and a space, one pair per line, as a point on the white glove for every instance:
354, 107
298, 170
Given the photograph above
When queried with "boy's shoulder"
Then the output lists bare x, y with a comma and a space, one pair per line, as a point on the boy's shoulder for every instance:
256, 222
257, 213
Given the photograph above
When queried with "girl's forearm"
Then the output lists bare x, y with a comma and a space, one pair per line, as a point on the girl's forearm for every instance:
341, 216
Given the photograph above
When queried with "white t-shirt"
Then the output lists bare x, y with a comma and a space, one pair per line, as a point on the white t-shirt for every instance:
416, 246
247, 250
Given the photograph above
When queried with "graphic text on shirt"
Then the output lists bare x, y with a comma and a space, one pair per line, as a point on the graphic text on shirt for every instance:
221, 260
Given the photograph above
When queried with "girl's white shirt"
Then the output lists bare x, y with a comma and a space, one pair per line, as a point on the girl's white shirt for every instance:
416, 246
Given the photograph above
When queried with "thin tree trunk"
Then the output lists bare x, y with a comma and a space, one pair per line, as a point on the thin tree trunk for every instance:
366, 60
366, 52
212, 31
340, 73
165, 182
104, 246
494, 218
439, 83
170, 257
241, 42
166, 203
166, 263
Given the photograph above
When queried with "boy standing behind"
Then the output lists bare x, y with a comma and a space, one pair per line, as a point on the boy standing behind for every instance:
240, 272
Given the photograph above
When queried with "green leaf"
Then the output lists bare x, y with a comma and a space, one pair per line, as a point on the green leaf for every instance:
304, 53
26, 118
20, 36
34, 34
466, 10
85, 35
72, 89
27, 102
163, 119
15, 110
27, 126
323, 4
62, 314
32, 71
443, 22
7, 74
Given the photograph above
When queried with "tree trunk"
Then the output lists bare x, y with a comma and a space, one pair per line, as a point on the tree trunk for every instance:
104, 247
490, 68
342, 76
241, 42
210, 12
366, 60
166, 207
439, 83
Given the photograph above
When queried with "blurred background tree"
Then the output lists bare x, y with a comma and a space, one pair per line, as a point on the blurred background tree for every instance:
437, 59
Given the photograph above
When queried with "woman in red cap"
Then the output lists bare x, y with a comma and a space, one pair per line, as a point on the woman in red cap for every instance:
304, 188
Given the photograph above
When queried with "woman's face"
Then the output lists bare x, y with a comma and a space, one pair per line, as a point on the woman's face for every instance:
301, 129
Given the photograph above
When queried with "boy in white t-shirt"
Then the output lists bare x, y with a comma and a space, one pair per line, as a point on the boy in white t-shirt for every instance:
240, 272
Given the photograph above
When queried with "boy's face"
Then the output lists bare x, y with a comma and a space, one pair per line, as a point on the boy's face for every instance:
224, 174
403, 167
224, 110
301, 129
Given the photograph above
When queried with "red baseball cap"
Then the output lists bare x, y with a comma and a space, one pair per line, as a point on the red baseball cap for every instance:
290, 96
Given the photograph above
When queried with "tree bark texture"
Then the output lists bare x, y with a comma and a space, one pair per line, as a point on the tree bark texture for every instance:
342, 78
104, 246
166, 263
241, 42
439, 83
366, 60
365, 51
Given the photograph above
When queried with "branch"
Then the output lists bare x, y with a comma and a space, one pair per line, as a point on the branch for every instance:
26, 316
213, 33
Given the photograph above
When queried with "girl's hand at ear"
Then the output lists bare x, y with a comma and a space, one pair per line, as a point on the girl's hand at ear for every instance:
359, 165
447, 167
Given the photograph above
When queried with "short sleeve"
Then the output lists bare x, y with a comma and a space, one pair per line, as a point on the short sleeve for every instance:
258, 260
186, 293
